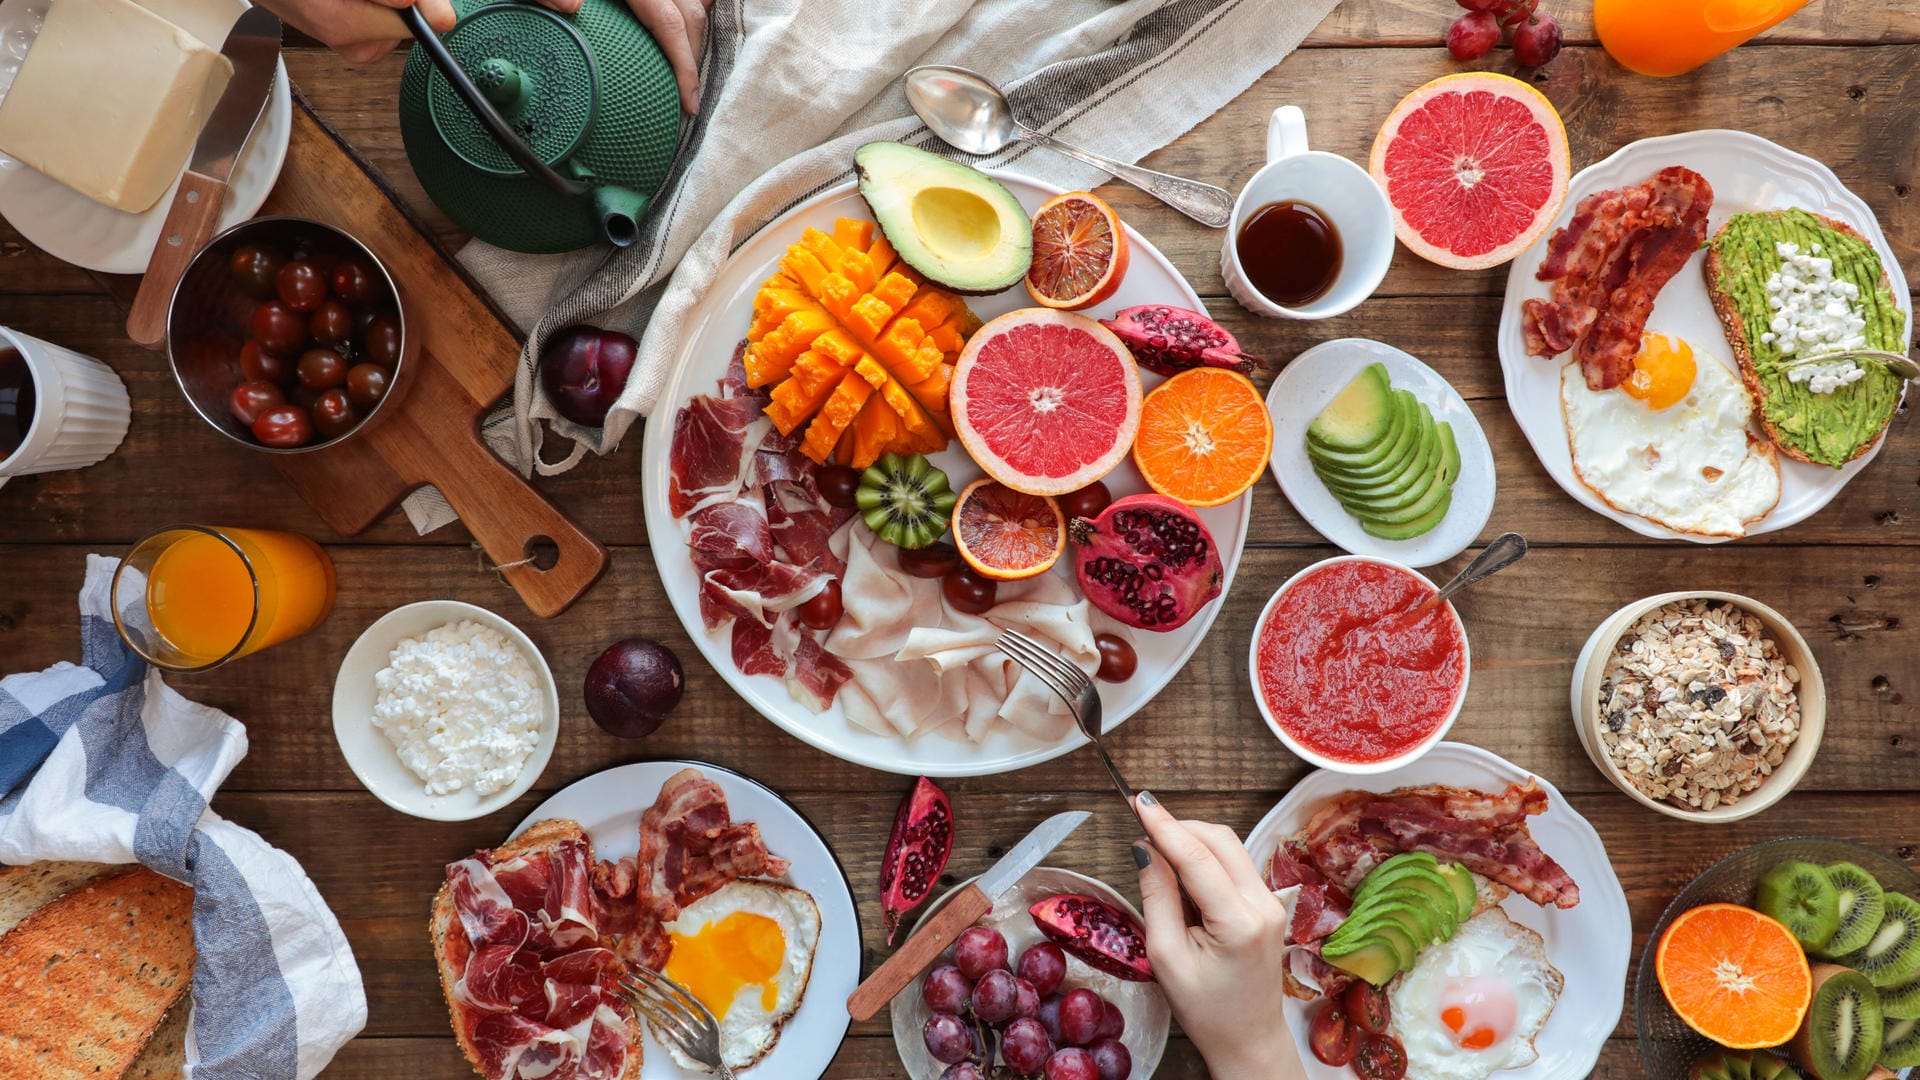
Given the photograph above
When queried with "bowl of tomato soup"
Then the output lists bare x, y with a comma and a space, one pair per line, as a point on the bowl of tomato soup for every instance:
1353, 670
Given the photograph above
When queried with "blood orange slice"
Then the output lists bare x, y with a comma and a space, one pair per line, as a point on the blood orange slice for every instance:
1045, 401
1079, 251
1008, 534
1734, 975
1474, 166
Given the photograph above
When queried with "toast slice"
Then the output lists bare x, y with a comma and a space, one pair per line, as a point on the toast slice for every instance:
86, 979
446, 920
26, 889
1735, 328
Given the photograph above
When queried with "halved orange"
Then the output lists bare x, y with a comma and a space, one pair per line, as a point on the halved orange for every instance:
1735, 976
1079, 251
1008, 534
1204, 437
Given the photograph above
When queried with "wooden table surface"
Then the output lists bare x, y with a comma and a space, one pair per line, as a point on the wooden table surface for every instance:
1838, 81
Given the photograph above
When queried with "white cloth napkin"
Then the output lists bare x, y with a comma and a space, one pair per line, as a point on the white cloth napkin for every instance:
106, 763
792, 87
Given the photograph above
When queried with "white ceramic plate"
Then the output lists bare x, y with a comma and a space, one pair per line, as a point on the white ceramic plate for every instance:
721, 323
1306, 386
368, 751
1590, 943
1747, 173
1146, 1008
75, 229
609, 804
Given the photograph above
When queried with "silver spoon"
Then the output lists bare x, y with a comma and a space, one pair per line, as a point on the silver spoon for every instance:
972, 115
1900, 364
1506, 549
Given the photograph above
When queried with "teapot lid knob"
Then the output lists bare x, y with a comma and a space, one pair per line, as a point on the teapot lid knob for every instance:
501, 81
534, 67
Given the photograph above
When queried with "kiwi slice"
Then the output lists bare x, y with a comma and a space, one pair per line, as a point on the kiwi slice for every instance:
1901, 1002
1891, 957
1799, 896
1842, 1034
1900, 1045
905, 500
1861, 907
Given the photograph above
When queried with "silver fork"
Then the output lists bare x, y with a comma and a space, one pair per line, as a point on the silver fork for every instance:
1073, 687
677, 1017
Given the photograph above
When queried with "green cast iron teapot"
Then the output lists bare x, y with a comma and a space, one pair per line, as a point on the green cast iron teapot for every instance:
540, 132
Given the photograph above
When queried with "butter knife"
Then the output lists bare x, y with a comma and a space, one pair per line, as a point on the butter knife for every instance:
967, 907
253, 48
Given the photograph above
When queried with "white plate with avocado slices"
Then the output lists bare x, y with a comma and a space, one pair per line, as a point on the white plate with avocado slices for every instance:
1590, 943
1414, 460
1748, 173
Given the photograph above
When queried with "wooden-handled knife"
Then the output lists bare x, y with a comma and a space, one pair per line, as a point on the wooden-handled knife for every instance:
253, 48
967, 907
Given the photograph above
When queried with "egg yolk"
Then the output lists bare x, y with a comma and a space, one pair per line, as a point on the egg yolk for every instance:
1479, 1012
740, 950
1662, 373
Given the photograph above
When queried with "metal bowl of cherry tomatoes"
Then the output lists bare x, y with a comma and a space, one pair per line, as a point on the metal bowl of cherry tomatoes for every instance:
289, 336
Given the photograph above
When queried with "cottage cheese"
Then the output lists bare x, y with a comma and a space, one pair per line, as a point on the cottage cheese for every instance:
461, 706
1814, 313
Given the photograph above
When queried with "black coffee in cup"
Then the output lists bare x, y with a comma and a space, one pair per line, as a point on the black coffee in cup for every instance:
16, 401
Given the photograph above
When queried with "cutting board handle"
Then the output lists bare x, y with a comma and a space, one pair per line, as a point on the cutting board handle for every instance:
507, 517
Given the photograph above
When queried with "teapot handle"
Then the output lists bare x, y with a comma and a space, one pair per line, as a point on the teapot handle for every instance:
490, 117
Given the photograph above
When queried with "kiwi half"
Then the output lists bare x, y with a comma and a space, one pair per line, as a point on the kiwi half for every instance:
1862, 904
1799, 896
1900, 1045
1891, 957
1901, 1002
905, 500
1842, 1034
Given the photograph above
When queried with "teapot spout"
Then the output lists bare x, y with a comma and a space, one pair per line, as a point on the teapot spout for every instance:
617, 211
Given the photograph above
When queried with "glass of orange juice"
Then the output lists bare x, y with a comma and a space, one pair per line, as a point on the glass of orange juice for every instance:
192, 597
1672, 37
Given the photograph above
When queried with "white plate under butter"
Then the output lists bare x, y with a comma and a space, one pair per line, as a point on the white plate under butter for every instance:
73, 228
1308, 384
371, 755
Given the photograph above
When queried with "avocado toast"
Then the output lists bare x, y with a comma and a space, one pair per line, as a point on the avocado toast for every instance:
1750, 260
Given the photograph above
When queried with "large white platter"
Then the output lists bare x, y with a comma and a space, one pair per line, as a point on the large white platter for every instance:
1590, 943
721, 323
1747, 173
609, 804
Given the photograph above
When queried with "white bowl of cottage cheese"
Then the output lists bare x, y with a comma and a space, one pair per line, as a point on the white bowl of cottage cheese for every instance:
445, 710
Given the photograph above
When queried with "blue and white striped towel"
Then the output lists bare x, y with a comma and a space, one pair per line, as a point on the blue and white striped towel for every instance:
106, 763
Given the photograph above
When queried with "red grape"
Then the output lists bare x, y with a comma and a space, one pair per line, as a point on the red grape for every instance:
1473, 35
979, 950
969, 592
1113, 1022
933, 561
963, 1070
946, 990
1049, 1016
1117, 658
1026, 1046
1110, 1056
996, 999
948, 1038
838, 484
1073, 1063
1081, 1011
1481, 5
1537, 41
1086, 502
824, 610
1044, 965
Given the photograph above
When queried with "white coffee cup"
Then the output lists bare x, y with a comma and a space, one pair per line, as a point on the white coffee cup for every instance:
80, 409
1342, 191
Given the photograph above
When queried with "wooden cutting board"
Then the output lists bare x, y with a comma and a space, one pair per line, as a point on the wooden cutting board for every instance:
467, 361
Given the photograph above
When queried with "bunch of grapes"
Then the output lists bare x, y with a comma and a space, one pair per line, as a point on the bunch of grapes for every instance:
980, 999
1536, 37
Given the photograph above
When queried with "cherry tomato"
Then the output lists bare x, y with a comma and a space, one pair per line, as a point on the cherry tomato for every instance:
253, 267
1381, 1057
367, 384
258, 363
331, 324
1087, 502
253, 397
382, 340
284, 428
932, 561
300, 286
1117, 658
824, 610
837, 485
279, 329
1367, 1007
333, 416
1333, 1040
322, 369
354, 282
969, 592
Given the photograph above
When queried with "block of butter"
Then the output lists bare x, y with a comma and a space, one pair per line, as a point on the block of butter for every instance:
110, 101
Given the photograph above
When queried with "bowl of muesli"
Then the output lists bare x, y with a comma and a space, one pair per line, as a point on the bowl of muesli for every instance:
1705, 706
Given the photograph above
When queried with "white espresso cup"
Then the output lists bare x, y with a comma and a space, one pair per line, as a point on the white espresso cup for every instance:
80, 408
1345, 195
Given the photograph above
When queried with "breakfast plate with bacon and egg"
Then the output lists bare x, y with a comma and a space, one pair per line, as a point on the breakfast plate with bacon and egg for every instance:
1649, 340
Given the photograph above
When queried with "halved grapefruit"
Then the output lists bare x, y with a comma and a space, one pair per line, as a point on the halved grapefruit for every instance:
1475, 167
1079, 252
1045, 401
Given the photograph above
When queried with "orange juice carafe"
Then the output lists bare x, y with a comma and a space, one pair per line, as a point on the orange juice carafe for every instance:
1672, 37
216, 594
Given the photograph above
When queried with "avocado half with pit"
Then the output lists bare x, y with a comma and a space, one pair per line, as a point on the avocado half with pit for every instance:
953, 223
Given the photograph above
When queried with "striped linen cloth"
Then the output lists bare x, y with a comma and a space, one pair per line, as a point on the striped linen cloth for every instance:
103, 762
792, 87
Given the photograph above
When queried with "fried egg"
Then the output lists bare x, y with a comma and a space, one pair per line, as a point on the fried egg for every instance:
1671, 443
745, 951
1473, 1005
